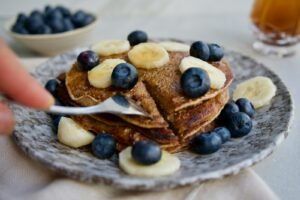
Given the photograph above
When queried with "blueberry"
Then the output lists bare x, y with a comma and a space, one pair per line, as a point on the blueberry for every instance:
57, 25
104, 146
206, 143
246, 106
47, 8
239, 124
33, 23
137, 37
68, 25
124, 76
200, 50
53, 14
36, 13
57, 103
121, 100
87, 60
56, 120
224, 133
52, 86
88, 19
19, 28
216, 52
65, 11
229, 108
195, 82
146, 152
44, 29
80, 19
21, 18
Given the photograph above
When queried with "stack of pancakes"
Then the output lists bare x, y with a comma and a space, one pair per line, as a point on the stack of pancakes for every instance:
175, 118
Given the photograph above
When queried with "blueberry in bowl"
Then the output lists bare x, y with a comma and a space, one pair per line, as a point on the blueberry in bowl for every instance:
53, 17
52, 30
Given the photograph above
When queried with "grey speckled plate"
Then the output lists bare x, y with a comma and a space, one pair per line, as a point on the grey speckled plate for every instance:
35, 136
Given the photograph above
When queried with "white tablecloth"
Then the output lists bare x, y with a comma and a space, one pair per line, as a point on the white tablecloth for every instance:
24, 179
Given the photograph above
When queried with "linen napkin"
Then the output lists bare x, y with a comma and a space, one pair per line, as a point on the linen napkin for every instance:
23, 178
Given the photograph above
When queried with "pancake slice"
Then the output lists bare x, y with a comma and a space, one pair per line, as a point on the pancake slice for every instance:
167, 91
83, 94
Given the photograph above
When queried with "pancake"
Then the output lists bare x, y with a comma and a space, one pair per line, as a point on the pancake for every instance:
175, 118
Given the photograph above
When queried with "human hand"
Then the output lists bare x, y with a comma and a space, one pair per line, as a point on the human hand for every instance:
17, 84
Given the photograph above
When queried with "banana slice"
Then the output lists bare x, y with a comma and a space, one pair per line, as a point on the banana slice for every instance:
259, 90
72, 134
216, 76
175, 46
111, 47
166, 166
148, 56
100, 76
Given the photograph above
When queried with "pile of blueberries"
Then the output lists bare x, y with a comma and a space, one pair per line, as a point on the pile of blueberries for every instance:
236, 118
51, 20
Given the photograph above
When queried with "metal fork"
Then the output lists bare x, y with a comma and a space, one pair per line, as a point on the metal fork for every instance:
118, 105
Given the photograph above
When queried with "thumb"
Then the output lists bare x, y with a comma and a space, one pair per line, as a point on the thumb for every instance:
7, 120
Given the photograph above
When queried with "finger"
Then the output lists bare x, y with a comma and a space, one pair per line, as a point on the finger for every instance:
7, 120
17, 83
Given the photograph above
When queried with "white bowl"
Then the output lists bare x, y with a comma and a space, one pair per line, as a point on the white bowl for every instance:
53, 44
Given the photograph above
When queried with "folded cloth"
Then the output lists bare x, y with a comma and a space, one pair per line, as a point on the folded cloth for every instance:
23, 178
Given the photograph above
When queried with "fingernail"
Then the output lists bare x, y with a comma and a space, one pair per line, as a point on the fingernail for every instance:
49, 100
7, 120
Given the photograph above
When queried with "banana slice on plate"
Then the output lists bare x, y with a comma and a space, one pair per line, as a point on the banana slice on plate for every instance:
259, 90
111, 47
100, 76
148, 55
216, 76
72, 134
167, 165
175, 46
